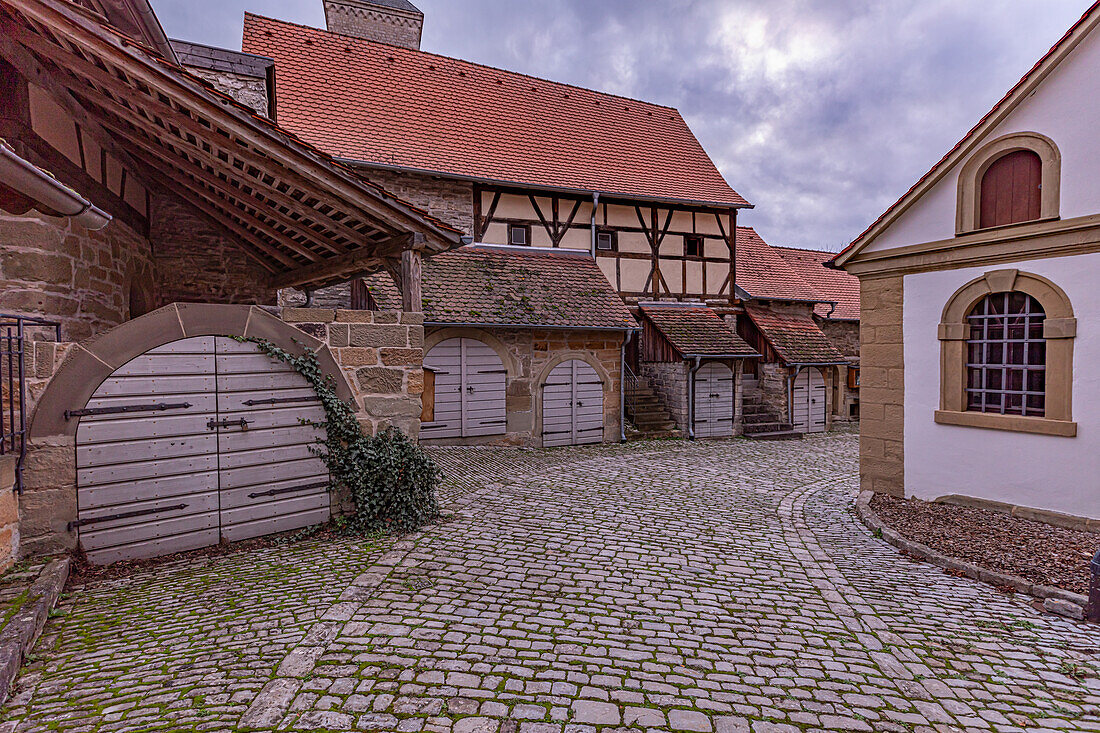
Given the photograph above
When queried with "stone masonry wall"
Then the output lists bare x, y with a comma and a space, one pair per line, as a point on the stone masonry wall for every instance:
382, 356
9, 514
374, 22
844, 335
196, 263
250, 91
53, 269
670, 382
530, 353
882, 389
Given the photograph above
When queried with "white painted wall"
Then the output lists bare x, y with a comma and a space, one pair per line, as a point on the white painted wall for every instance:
1059, 474
1065, 109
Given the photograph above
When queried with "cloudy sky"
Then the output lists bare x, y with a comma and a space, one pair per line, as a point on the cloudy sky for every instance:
819, 112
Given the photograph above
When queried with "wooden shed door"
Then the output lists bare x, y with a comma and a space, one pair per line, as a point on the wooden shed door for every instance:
714, 401
808, 401
178, 470
572, 405
469, 390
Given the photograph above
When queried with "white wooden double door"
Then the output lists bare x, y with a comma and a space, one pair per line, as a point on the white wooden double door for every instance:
714, 391
195, 442
470, 384
808, 401
572, 405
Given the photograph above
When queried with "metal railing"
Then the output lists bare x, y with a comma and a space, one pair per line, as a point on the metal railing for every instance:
630, 391
14, 332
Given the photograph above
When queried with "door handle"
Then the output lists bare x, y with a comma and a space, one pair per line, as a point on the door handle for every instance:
215, 424
470, 389
580, 404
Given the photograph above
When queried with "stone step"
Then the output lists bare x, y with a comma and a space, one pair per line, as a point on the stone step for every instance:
760, 417
766, 427
632, 435
775, 435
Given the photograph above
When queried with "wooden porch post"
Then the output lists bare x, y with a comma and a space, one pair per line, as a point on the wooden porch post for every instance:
412, 300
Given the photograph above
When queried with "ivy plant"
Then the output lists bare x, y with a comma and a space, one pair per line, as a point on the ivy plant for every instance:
390, 479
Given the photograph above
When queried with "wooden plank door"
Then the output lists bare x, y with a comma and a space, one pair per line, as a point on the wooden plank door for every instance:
713, 414
445, 358
270, 480
147, 478
483, 390
572, 405
808, 401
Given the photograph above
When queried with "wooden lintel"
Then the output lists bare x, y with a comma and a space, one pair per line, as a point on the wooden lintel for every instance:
350, 263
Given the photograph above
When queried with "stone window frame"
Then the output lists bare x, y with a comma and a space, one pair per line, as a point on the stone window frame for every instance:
968, 210
1059, 331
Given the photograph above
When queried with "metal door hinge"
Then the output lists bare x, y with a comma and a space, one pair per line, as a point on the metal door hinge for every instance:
289, 489
124, 515
123, 409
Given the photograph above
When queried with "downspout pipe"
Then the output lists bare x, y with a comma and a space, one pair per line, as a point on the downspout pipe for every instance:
691, 397
34, 183
622, 385
595, 206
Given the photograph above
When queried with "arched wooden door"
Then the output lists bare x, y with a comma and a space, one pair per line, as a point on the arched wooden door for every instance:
808, 401
572, 405
470, 383
713, 416
194, 442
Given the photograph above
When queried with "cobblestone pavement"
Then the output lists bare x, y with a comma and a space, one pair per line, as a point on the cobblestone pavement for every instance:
714, 587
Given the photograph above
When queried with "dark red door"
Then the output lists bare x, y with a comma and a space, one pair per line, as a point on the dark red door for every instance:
1011, 190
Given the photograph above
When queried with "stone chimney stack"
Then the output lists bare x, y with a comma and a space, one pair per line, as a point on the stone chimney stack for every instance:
396, 22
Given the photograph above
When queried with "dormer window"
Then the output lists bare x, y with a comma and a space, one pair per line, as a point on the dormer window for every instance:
519, 235
1011, 190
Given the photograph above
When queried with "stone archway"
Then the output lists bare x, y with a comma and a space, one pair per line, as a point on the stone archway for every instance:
90, 362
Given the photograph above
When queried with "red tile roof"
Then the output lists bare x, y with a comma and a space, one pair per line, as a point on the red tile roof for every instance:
510, 286
380, 104
764, 274
796, 338
696, 331
835, 285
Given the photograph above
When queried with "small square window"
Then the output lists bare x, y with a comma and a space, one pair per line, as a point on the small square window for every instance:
605, 241
693, 245
519, 235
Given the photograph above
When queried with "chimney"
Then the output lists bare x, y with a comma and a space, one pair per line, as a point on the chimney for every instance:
396, 22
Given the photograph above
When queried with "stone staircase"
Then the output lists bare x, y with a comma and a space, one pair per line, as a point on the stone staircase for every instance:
647, 416
758, 421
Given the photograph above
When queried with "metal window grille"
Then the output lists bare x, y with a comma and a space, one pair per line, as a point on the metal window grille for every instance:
15, 332
1006, 356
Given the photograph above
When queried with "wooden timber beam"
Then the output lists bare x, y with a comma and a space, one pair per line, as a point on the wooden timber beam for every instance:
349, 263
306, 164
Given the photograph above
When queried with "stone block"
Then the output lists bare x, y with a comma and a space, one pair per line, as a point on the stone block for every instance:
308, 315
387, 316
391, 406
376, 336
339, 334
350, 316
414, 382
9, 506
358, 356
412, 319
401, 357
380, 380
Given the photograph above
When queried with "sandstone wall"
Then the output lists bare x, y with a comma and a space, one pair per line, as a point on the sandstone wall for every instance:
670, 382
882, 389
528, 356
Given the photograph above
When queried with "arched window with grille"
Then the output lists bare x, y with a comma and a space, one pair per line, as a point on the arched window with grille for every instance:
1006, 356
1006, 342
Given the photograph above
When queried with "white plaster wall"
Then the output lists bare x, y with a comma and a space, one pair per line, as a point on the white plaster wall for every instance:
1064, 108
1039, 471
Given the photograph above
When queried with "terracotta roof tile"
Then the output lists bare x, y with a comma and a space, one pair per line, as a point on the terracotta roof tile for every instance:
835, 285
764, 274
796, 338
697, 331
505, 286
381, 104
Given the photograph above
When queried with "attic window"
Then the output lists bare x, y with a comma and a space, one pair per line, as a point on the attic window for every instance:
519, 235
605, 241
693, 245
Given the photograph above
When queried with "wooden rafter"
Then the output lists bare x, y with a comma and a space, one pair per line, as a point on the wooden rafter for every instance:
349, 265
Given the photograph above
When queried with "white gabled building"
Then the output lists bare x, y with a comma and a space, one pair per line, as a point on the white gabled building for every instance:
981, 311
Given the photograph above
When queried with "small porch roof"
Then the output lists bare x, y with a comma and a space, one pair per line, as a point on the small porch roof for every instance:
306, 219
796, 338
695, 330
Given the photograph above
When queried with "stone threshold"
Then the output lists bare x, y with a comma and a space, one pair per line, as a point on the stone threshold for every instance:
1055, 600
21, 631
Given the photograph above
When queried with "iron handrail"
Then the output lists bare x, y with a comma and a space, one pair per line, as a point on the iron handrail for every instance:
13, 414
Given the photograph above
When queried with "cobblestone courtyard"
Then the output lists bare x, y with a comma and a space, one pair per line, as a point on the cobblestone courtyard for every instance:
720, 587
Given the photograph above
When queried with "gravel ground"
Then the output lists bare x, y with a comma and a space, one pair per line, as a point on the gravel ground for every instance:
1032, 550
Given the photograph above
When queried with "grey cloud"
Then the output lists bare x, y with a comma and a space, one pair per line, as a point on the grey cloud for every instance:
820, 113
